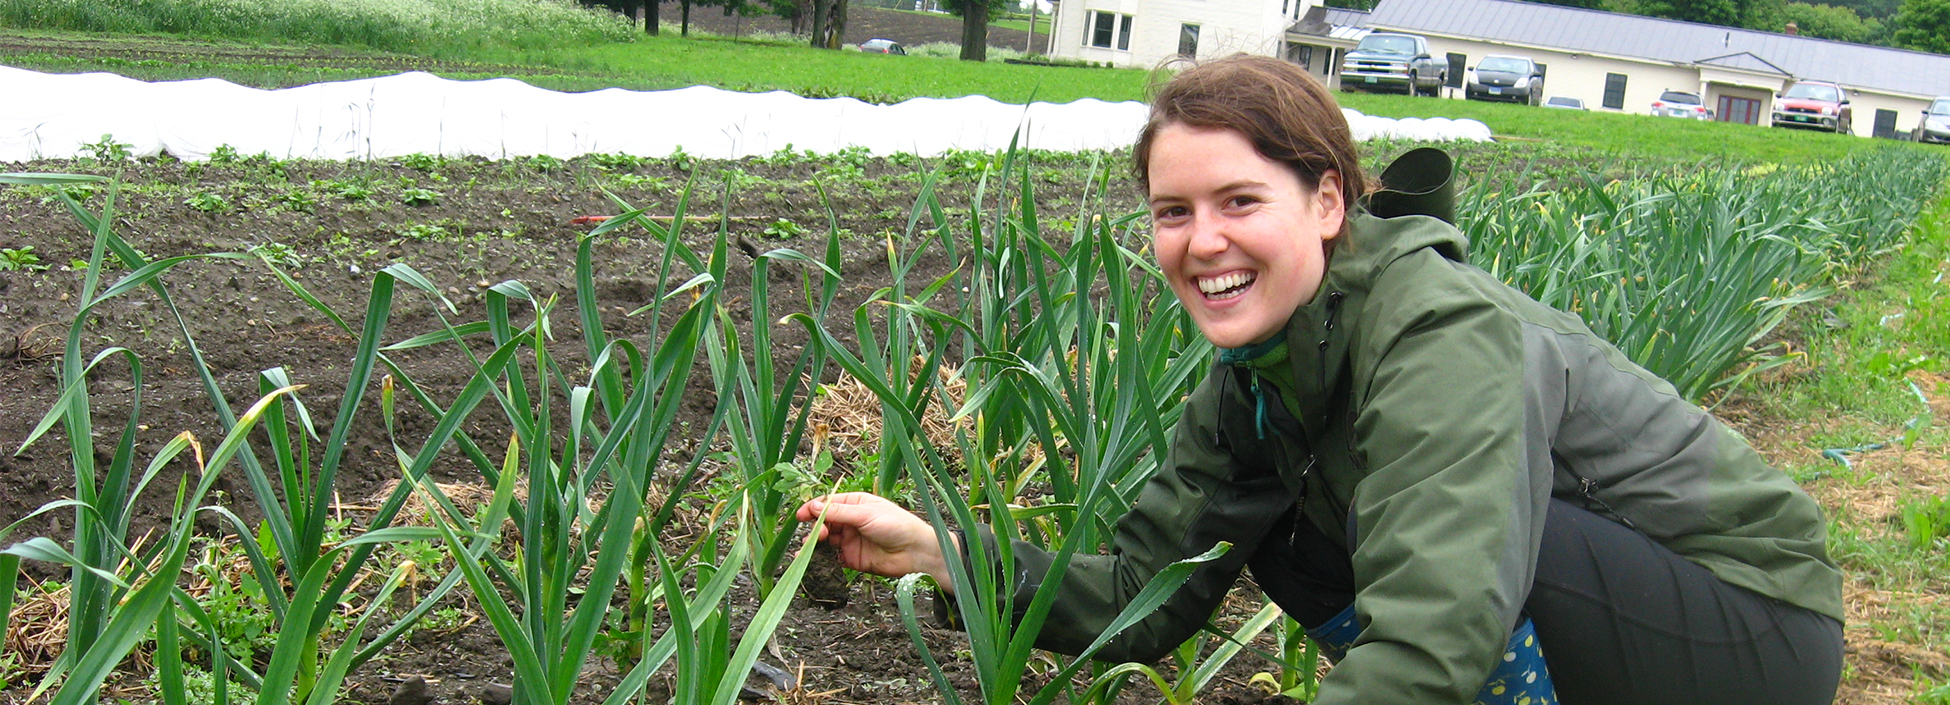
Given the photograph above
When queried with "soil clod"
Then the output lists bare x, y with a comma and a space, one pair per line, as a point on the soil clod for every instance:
825, 582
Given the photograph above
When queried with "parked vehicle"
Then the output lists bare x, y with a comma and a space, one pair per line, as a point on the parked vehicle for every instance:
1516, 79
1816, 105
883, 46
1387, 61
1935, 125
1680, 104
1558, 101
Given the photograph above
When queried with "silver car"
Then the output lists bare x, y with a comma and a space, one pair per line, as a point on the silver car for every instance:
1935, 126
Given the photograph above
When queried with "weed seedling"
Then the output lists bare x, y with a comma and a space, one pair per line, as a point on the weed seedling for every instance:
299, 200
22, 259
347, 190
419, 197
784, 229
108, 150
208, 202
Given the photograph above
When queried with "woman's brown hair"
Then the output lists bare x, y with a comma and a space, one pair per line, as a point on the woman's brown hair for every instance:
1287, 114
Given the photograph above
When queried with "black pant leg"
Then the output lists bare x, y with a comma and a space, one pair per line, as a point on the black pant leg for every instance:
1625, 620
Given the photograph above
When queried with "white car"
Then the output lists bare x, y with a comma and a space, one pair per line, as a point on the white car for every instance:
1681, 104
1935, 126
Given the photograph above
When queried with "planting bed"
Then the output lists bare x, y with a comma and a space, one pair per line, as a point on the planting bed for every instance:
468, 225
489, 222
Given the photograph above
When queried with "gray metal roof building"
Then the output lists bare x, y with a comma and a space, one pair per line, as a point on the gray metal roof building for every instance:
1597, 32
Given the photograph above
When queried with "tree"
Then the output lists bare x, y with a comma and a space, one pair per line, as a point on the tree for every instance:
828, 21
975, 16
1924, 25
1825, 22
1727, 13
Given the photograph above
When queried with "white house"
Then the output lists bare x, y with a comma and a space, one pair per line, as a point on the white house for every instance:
1145, 33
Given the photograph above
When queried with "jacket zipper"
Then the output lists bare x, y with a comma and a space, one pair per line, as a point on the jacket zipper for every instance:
1588, 489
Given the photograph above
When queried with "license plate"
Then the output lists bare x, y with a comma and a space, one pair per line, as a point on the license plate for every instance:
1496, 91
1370, 79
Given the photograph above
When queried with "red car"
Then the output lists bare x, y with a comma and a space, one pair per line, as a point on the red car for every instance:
1816, 105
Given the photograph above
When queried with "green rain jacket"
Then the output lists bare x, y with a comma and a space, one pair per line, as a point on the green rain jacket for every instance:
1434, 411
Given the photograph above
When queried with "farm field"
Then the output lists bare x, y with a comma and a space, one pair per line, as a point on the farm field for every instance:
468, 225
639, 382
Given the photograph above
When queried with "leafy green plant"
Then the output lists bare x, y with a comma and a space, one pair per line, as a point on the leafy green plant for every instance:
299, 199
208, 202
301, 570
349, 190
108, 150
1083, 350
765, 419
638, 181
22, 258
1196, 667
278, 253
422, 162
223, 154
613, 431
1688, 273
784, 229
1926, 520
616, 161
425, 231
419, 196
1299, 661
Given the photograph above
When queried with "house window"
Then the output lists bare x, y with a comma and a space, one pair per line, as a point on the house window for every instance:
1615, 91
1188, 40
1458, 66
1109, 29
1303, 55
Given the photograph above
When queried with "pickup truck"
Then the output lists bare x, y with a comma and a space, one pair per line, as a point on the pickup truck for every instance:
1388, 61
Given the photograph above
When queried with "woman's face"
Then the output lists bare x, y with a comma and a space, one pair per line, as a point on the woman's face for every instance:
1241, 239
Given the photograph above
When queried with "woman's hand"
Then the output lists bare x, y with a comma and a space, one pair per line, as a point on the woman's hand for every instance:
877, 536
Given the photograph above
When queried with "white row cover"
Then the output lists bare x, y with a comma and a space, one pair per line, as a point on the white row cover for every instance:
51, 116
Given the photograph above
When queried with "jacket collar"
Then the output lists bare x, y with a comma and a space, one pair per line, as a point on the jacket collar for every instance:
1319, 334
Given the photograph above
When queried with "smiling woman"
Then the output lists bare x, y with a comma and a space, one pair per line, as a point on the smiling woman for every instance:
1241, 239
1436, 473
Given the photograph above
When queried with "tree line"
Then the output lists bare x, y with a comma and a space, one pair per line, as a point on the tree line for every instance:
824, 21
1922, 25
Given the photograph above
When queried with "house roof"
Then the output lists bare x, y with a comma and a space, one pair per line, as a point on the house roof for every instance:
1333, 23
1745, 61
1598, 32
